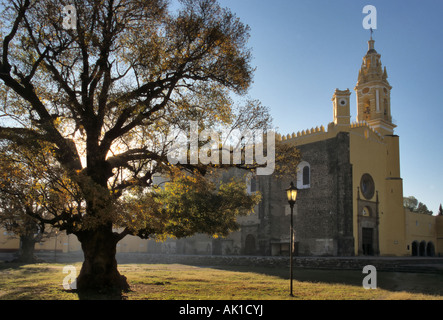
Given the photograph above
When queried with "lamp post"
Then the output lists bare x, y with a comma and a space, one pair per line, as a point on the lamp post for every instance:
291, 193
55, 247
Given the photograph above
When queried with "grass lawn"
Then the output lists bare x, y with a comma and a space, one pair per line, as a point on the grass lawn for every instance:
184, 282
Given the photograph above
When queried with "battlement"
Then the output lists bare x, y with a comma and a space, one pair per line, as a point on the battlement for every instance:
358, 124
321, 130
299, 134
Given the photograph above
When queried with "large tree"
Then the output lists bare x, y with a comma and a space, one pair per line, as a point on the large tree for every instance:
105, 83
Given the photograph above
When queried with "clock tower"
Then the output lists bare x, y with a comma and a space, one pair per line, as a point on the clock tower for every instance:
340, 101
374, 93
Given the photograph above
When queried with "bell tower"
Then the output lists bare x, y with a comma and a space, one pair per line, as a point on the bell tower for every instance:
374, 93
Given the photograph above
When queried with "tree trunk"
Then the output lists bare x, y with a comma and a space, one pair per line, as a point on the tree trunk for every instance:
27, 249
99, 271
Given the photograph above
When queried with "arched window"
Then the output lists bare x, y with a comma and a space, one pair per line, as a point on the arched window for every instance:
306, 178
251, 183
250, 245
414, 248
366, 212
367, 109
303, 175
254, 184
430, 249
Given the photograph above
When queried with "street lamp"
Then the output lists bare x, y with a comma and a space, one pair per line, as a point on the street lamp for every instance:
55, 246
291, 193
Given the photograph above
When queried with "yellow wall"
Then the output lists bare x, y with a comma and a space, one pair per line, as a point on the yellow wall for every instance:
70, 243
424, 228
6, 242
420, 227
132, 244
378, 156
439, 235
59, 243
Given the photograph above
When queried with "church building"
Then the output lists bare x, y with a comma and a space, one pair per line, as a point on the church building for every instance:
350, 198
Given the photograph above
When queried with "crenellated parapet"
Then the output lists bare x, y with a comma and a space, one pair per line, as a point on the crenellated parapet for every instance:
299, 134
359, 124
319, 132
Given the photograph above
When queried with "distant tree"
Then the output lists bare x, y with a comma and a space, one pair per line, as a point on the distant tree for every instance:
18, 224
410, 202
440, 210
422, 208
415, 206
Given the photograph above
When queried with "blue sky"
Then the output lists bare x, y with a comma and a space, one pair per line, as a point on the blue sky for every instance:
304, 49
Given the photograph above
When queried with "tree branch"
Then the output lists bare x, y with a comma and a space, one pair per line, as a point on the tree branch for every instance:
4, 66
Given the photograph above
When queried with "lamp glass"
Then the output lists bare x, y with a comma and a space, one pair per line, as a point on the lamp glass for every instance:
292, 193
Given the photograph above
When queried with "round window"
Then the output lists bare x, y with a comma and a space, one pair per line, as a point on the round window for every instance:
367, 186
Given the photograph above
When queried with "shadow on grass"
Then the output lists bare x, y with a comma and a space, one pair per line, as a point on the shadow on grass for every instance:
105, 295
420, 283
20, 265
424, 283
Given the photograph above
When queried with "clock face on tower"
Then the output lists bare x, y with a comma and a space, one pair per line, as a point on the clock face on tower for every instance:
342, 102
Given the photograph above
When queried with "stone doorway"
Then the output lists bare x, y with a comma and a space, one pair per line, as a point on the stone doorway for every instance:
367, 241
250, 248
368, 233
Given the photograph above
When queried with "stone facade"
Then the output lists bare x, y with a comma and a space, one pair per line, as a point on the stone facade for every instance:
324, 210
322, 214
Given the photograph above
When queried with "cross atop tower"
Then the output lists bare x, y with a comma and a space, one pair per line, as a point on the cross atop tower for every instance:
371, 43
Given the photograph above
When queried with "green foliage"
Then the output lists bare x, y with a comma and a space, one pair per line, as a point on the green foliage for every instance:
414, 205
187, 204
